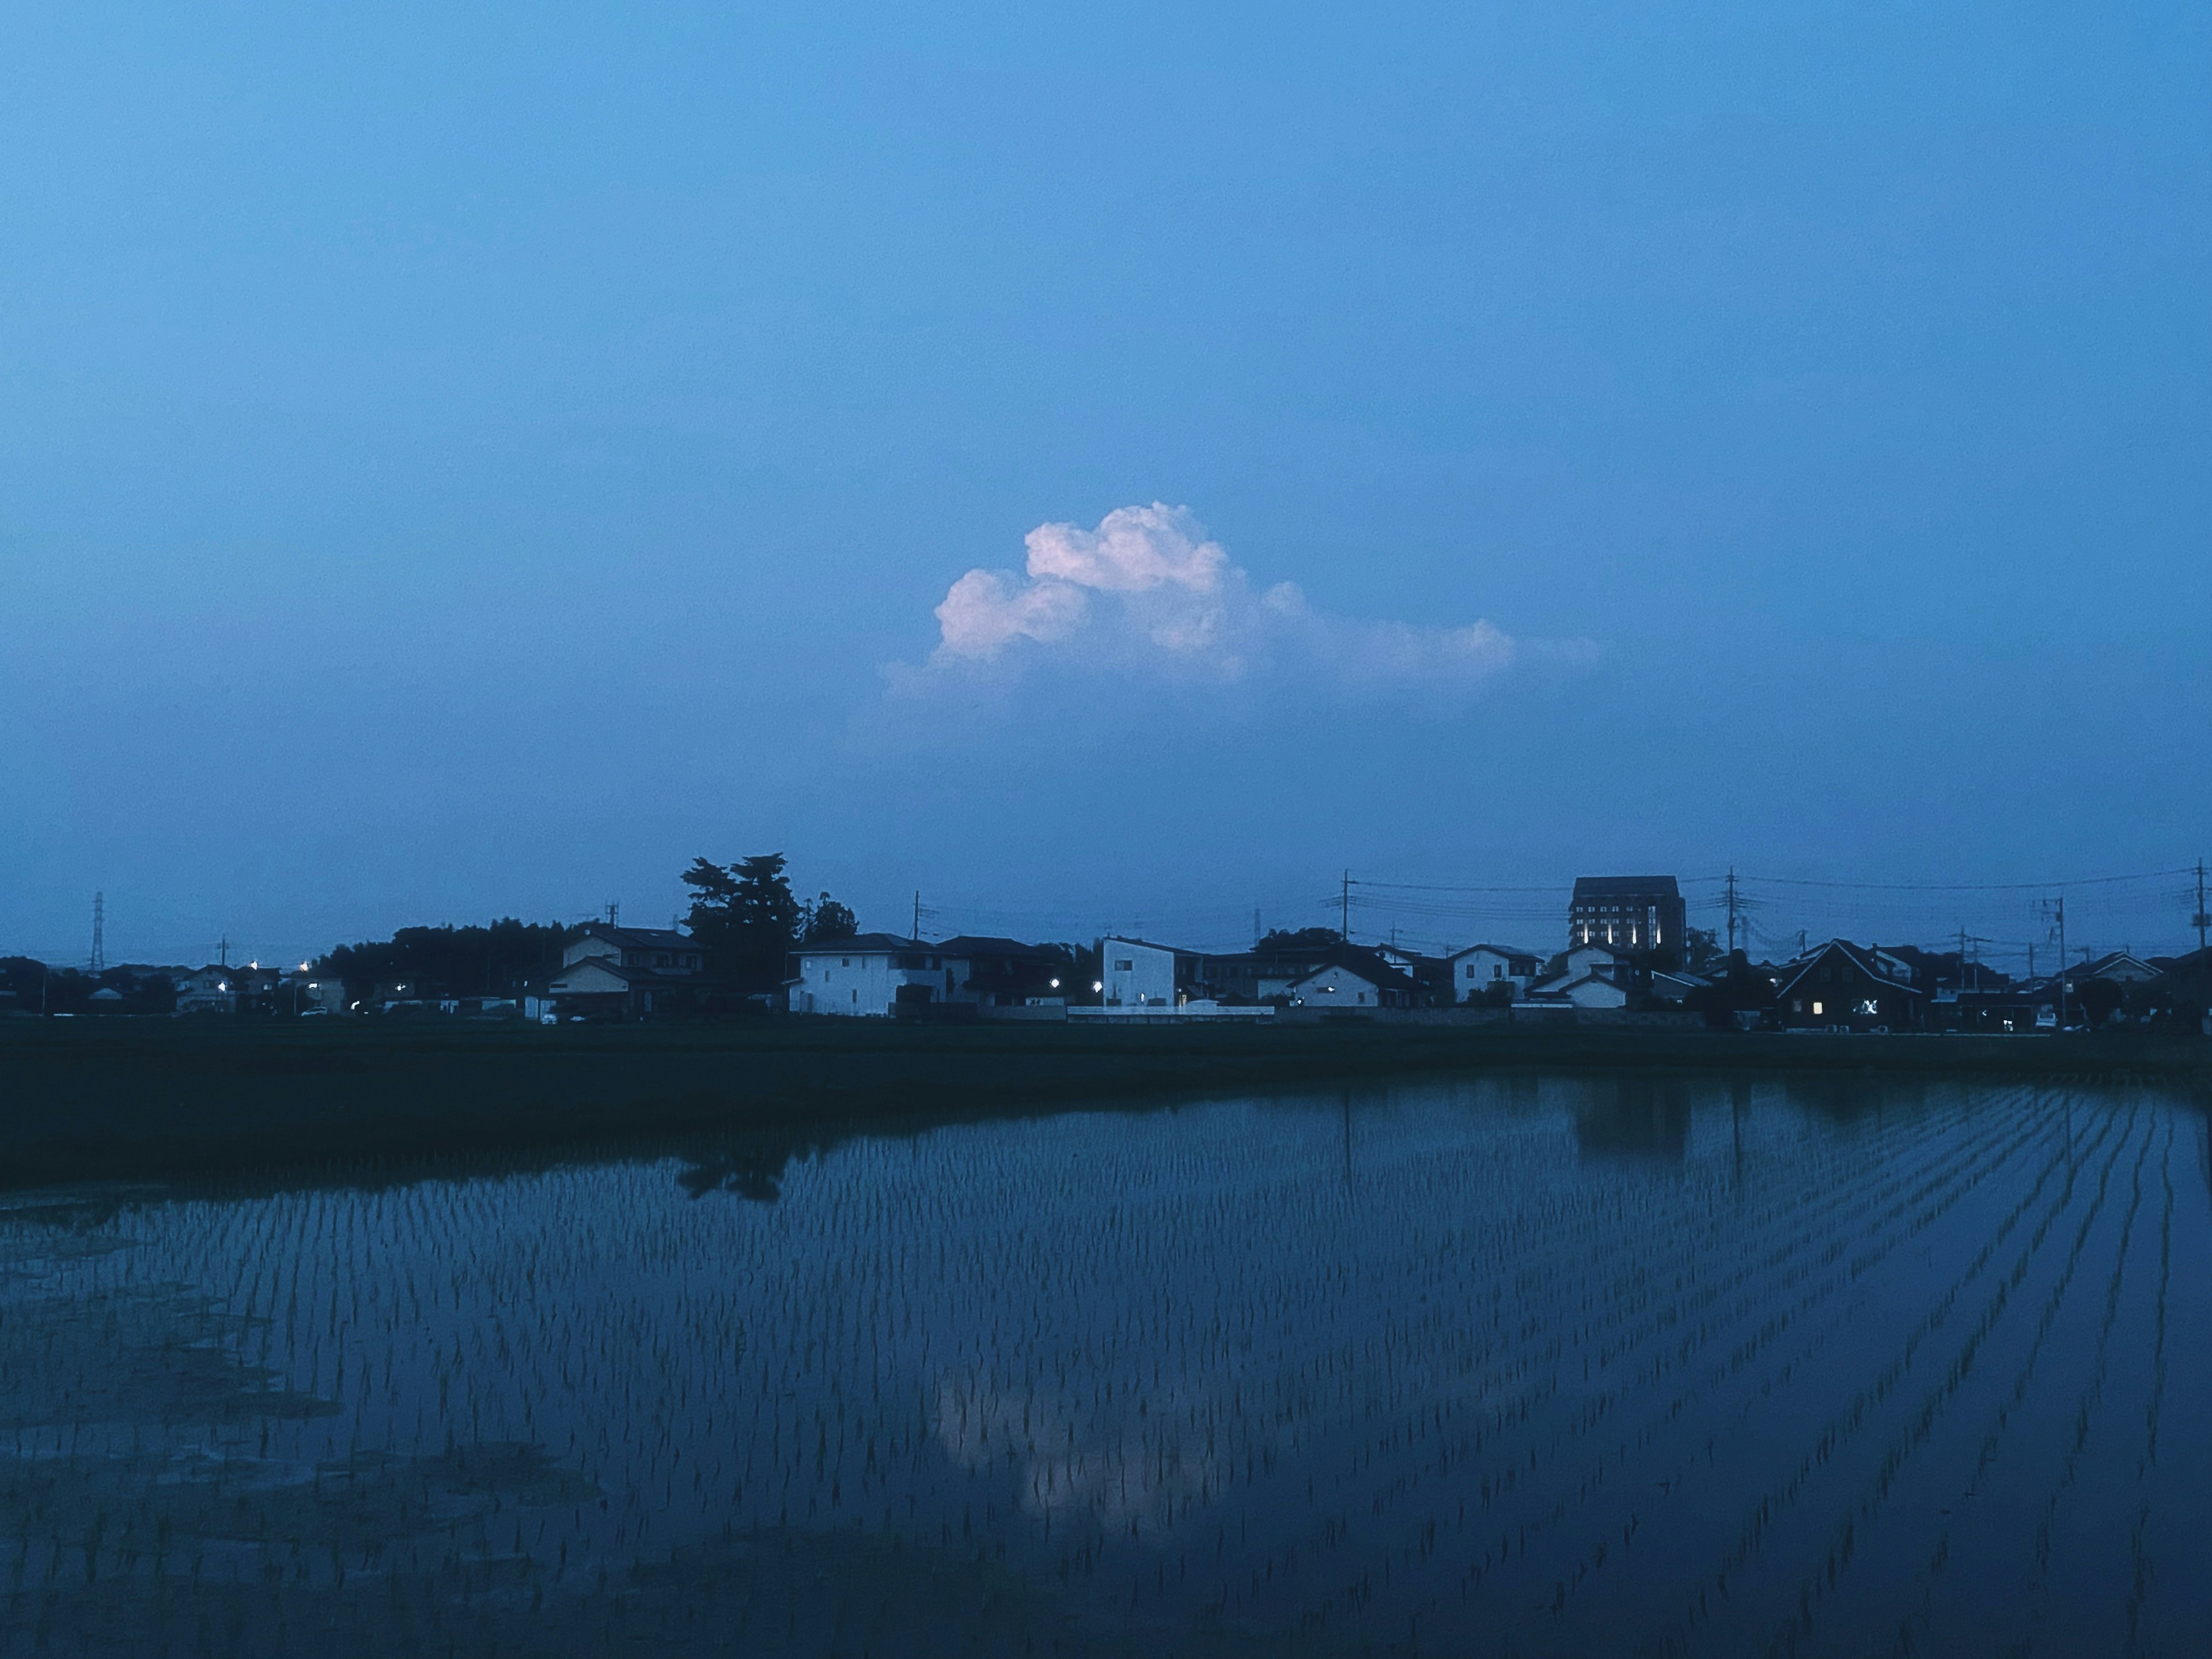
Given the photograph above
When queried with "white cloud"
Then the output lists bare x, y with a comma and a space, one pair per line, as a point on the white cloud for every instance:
1147, 595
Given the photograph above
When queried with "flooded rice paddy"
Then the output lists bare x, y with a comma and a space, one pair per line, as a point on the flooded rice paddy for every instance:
1558, 1366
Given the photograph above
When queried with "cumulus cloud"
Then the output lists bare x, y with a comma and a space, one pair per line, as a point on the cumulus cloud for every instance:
1148, 593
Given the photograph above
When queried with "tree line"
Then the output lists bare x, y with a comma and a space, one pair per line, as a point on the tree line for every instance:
745, 916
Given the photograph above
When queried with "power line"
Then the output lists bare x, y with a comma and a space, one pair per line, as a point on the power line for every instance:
1968, 886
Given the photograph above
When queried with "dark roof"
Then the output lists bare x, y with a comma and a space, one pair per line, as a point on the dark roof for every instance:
627, 975
983, 944
863, 944
1602, 887
2106, 962
1150, 944
1497, 949
640, 938
1370, 965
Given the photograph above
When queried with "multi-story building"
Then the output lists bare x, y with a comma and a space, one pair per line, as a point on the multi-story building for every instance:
1630, 913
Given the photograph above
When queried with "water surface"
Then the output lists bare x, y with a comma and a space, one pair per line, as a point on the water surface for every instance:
1532, 1366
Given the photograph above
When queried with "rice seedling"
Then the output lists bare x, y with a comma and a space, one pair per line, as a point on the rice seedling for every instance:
1537, 1365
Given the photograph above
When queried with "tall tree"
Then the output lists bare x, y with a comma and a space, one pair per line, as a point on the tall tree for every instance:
746, 917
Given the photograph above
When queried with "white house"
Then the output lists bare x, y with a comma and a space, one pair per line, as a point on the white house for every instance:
1587, 991
879, 974
1335, 987
1479, 967
1137, 974
1584, 961
870, 974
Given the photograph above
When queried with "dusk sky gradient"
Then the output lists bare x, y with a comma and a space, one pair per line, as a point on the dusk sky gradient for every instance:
468, 461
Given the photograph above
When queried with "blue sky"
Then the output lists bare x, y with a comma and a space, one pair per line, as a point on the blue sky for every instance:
457, 462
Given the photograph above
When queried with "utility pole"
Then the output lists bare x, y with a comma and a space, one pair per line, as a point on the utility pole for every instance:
98, 925
2202, 918
223, 951
1344, 923
614, 913
1731, 909
917, 915
2062, 962
1962, 956
1256, 934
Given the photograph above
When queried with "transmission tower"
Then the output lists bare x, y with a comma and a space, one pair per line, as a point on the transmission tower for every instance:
99, 930
2201, 920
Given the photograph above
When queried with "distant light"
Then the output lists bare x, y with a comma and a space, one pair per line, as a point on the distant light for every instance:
1098, 984
303, 967
254, 965
223, 985
1055, 985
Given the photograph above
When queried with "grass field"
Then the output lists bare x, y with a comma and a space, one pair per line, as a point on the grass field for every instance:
151, 1099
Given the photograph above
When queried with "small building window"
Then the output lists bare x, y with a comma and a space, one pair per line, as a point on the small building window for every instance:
1816, 1007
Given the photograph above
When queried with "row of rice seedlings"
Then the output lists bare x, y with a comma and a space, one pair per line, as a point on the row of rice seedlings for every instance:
1883, 1394
1148, 1356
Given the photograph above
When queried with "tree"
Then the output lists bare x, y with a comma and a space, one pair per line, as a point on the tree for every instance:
827, 920
1702, 953
2098, 999
1303, 941
449, 961
746, 917
1737, 988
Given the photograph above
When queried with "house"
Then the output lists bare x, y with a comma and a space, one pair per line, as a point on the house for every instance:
609, 988
321, 991
1334, 987
1590, 990
1004, 972
1353, 977
872, 974
1135, 973
1256, 976
1997, 1011
1636, 913
1431, 976
207, 991
650, 950
1848, 986
2117, 967
1480, 968
1597, 961
609, 972
1674, 988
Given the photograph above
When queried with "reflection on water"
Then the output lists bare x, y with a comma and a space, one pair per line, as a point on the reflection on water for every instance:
1539, 1366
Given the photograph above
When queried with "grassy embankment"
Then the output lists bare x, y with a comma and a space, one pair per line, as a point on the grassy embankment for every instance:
151, 1099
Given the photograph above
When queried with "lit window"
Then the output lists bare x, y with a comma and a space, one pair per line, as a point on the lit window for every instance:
1816, 1007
